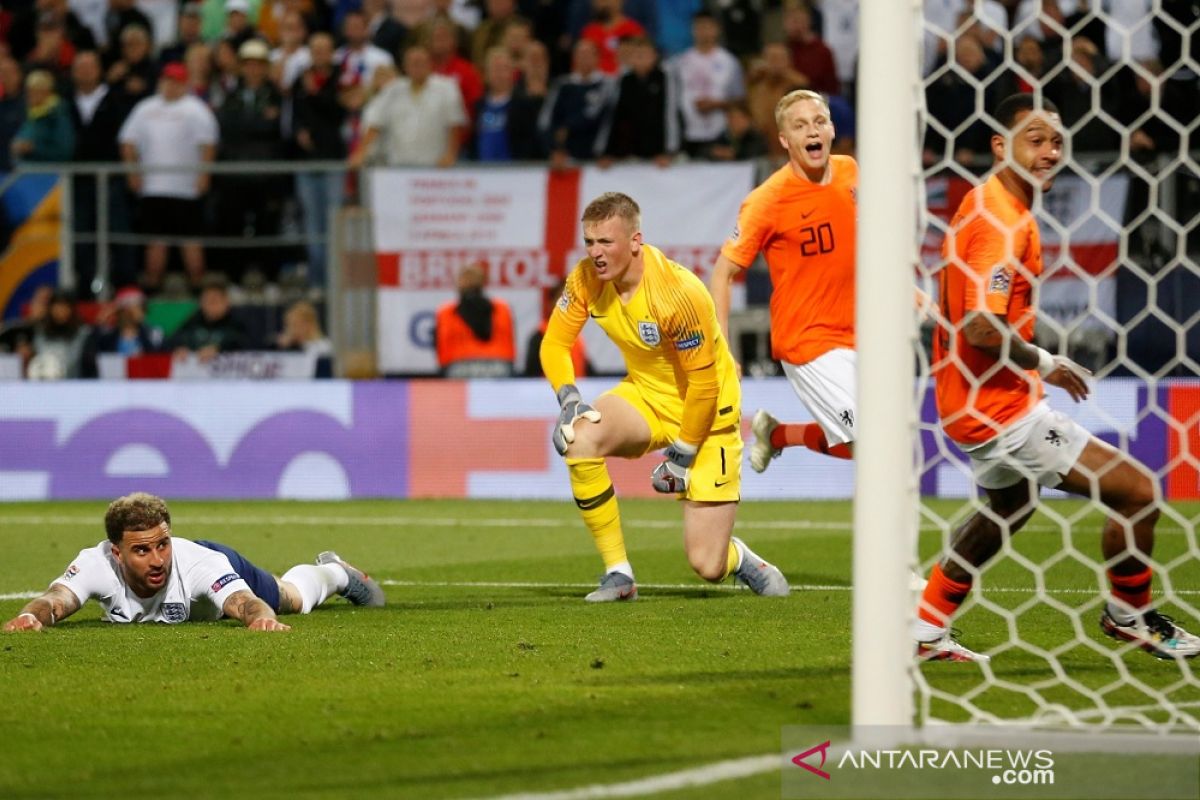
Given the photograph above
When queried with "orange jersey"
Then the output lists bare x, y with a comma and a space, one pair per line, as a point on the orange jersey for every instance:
993, 253
806, 233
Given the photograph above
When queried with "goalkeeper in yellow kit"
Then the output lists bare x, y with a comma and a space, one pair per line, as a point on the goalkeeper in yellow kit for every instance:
681, 392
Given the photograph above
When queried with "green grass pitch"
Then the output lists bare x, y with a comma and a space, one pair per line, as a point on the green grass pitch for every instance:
487, 674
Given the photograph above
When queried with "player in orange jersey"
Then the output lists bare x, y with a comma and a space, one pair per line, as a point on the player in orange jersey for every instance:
991, 400
802, 219
681, 393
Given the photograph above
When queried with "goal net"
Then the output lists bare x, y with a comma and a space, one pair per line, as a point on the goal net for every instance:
1119, 296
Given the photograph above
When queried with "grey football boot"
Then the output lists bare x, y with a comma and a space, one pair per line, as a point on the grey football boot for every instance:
613, 587
763, 577
362, 589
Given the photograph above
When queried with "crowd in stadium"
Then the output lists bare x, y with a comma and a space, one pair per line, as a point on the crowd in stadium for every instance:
439, 82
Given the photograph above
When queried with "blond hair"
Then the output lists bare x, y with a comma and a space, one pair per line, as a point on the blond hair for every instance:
795, 96
614, 204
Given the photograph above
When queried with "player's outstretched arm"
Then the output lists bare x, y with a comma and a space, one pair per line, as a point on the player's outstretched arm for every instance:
253, 612
57, 603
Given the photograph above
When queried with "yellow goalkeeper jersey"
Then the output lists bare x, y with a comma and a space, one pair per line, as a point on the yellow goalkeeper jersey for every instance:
668, 333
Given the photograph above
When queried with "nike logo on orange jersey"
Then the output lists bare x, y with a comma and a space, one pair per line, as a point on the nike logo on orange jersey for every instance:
809, 214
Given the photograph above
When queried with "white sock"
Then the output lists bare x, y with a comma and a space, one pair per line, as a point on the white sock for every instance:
625, 568
741, 551
315, 582
926, 631
1119, 614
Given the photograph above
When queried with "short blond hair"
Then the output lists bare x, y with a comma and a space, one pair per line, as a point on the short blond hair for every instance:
795, 96
614, 204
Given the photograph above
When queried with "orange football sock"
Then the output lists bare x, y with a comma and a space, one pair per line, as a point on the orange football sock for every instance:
941, 598
807, 435
1133, 590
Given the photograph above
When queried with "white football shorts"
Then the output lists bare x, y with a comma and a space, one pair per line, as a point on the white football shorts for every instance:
1043, 446
827, 386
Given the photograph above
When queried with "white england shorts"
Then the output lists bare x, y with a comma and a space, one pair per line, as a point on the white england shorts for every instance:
827, 386
1043, 446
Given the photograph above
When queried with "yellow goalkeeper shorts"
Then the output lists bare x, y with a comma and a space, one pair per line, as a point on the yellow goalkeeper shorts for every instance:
716, 474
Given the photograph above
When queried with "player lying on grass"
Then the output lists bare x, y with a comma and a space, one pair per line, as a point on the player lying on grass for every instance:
142, 573
992, 403
681, 392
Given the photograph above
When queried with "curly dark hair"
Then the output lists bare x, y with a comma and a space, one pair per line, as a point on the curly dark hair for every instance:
134, 512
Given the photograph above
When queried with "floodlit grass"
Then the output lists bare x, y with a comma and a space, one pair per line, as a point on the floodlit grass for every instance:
463, 689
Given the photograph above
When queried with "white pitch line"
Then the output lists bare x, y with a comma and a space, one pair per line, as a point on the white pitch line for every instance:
309, 520
695, 587
683, 779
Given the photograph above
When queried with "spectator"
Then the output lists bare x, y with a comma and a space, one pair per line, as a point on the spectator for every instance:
1148, 133
97, 114
173, 129
17, 337
575, 108
810, 56
950, 101
302, 331
505, 117
12, 107
272, 15
198, 63
517, 36
386, 32
443, 49
608, 27
644, 122
121, 15
227, 72
188, 34
741, 140
213, 329
22, 34
770, 79
51, 50
474, 334
249, 121
417, 25
741, 23
418, 118
319, 117
1071, 91
491, 31
1031, 59
359, 58
292, 57
134, 72
47, 134
239, 24
710, 79
126, 331
59, 341
533, 361
534, 71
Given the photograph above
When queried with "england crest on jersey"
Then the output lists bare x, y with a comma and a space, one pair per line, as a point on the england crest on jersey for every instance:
174, 612
648, 331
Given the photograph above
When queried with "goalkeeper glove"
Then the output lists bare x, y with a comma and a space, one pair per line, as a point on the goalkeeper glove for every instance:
572, 409
671, 476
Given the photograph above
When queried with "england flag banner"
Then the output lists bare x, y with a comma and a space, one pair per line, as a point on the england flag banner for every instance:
523, 224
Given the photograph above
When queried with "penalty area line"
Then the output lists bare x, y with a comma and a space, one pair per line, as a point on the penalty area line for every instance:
705, 775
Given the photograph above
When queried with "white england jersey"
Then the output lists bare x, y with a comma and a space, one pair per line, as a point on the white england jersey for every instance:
200, 583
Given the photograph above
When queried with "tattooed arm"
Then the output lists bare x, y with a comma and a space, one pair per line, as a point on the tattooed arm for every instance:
56, 603
253, 612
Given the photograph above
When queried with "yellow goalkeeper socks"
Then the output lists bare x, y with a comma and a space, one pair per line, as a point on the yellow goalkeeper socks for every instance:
733, 560
597, 501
